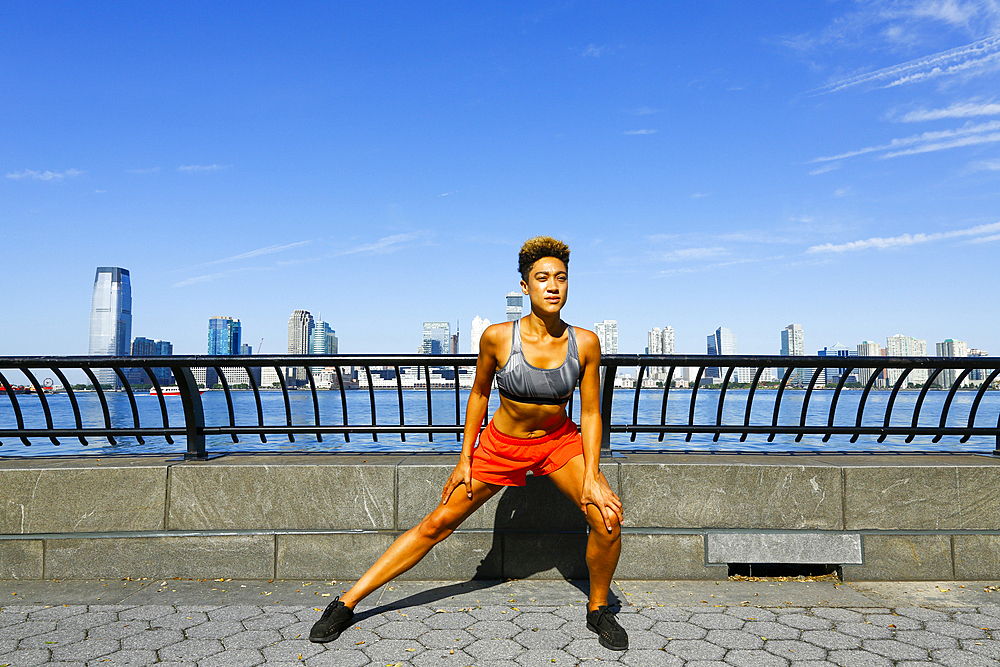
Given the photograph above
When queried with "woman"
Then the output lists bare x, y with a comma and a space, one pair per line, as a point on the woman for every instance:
537, 362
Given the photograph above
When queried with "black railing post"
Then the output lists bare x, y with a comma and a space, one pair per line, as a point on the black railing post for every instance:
607, 395
194, 414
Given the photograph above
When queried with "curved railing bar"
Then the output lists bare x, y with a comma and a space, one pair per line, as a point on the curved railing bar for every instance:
920, 401
805, 402
45, 403
131, 401
694, 397
892, 400
371, 398
777, 401
260, 408
17, 407
979, 397
427, 387
458, 404
288, 403
753, 389
104, 402
947, 402
722, 400
72, 401
162, 402
663, 403
836, 397
343, 402
876, 372
229, 398
635, 403
315, 397
399, 392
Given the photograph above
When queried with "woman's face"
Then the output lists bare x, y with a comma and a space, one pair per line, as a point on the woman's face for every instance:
547, 285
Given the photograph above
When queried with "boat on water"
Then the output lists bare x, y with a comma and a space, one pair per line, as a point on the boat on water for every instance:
170, 391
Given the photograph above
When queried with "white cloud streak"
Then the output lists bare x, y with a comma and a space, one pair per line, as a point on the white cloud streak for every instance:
974, 58
937, 140
386, 244
904, 240
957, 110
269, 250
984, 165
639, 132
833, 166
689, 254
190, 168
45, 175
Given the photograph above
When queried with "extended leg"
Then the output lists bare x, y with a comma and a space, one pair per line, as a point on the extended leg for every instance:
415, 543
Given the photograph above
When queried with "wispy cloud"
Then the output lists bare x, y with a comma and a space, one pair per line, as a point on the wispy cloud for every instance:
975, 58
150, 170
698, 195
45, 175
984, 165
841, 192
986, 239
956, 110
904, 240
202, 167
594, 51
269, 250
386, 244
639, 132
927, 141
215, 276
445, 194
833, 166
689, 254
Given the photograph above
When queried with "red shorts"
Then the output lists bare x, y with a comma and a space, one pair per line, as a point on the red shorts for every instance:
501, 459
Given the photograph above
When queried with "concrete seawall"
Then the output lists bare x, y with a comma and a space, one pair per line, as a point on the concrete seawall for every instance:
881, 518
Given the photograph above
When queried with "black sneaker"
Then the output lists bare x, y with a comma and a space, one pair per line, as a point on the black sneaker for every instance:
336, 618
609, 633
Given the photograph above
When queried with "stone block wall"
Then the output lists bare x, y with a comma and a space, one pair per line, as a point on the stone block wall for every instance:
330, 516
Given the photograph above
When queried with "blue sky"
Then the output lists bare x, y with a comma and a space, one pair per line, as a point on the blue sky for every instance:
834, 164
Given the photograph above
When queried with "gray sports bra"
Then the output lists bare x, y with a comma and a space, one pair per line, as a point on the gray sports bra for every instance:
520, 381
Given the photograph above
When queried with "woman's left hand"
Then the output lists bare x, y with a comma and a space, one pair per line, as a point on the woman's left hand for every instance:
597, 492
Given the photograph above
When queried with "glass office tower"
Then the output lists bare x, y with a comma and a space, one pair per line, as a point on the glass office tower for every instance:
110, 319
223, 335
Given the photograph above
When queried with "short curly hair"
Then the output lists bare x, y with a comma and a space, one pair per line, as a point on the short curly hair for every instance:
538, 247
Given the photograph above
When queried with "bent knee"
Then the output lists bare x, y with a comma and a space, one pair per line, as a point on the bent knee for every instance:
438, 525
597, 523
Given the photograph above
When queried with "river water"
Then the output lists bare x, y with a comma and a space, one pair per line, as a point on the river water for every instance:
444, 412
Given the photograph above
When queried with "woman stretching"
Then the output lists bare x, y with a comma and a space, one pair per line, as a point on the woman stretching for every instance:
537, 362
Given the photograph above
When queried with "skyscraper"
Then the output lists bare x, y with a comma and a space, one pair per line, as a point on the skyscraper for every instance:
659, 341
607, 334
323, 339
722, 342
454, 339
479, 325
793, 345
436, 339
515, 301
906, 346
833, 375
300, 326
110, 319
978, 374
145, 347
868, 348
951, 348
223, 335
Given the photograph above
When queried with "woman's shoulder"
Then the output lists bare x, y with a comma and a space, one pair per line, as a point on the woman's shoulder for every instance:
497, 332
586, 338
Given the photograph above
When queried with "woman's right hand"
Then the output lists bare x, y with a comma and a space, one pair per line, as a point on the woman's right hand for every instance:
462, 474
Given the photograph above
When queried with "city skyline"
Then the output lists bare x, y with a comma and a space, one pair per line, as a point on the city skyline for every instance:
828, 164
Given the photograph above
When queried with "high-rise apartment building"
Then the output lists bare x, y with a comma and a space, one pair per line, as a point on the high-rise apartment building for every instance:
323, 339
479, 325
869, 348
300, 327
454, 339
223, 335
951, 348
792, 345
146, 347
723, 342
659, 341
906, 346
436, 339
978, 374
833, 375
515, 307
246, 350
110, 319
607, 334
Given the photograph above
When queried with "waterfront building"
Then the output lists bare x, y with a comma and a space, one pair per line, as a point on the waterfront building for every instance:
978, 374
659, 341
269, 378
322, 341
110, 319
479, 325
246, 350
515, 306
951, 348
146, 347
722, 342
906, 346
436, 338
224, 335
300, 326
454, 339
869, 348
792, 345
833, 375
607, 334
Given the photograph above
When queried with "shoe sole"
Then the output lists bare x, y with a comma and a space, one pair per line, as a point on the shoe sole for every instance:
325, 639
604, 642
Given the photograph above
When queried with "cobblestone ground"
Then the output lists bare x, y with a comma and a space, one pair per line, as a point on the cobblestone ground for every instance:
444, 636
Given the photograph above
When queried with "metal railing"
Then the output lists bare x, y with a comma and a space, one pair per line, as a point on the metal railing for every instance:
800, 374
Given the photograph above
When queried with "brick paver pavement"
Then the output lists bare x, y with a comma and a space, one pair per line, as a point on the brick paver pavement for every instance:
437, 624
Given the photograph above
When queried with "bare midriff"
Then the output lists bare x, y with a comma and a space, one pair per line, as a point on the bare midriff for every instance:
528, 420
